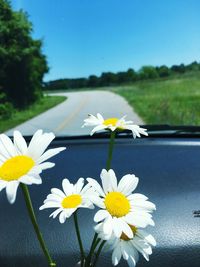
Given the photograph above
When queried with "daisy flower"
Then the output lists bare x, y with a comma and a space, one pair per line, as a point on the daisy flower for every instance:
129, 248
112, 124
69, 200
20, 163
119, 207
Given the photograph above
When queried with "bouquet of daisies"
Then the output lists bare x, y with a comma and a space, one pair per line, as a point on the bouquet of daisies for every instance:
122, 214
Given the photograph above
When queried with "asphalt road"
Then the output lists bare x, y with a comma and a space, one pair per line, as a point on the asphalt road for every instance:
67, 117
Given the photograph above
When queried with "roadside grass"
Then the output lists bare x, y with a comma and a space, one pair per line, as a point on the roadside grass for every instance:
173, 101
20, 116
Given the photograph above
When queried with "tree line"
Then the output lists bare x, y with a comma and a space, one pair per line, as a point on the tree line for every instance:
22, 63
129, 76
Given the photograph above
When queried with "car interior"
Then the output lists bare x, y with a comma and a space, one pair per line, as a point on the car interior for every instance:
168, 168
67, 65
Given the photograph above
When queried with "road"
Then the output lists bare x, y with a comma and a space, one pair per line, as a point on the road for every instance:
67, 117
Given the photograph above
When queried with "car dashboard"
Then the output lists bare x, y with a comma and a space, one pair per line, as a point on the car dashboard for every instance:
169, 174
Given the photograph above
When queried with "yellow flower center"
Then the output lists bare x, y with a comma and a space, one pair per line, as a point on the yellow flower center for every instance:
110, 121
125, 237
117, 204
16, 167
72, 201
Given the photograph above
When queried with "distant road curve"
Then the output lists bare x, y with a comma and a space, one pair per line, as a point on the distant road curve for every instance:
67, 117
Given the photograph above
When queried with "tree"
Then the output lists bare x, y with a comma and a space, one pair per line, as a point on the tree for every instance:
194, 66
163, 71
22, 63
93, 81
107, 78
178, 68
148, 72
131, 75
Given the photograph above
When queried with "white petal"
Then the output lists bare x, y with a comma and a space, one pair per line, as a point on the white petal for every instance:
62, 217
131, 261
123, 118
128, 183
69, 212
50, 204
50, 153
101, 215
58, 192
26, 179
2, 184
138, 220
98, 228
105, 178
100, 117
134, 253
113, 180
144, 205
112, 128
30, 179
78, 186
126, 228
40, 145
109, 180
52, 197
36, 179
98, 128
46, 165
149, 238
2, 158
55, 213
34, 139
128, 122
67, 187
86, 203
142, 247
11, 191
35, 170
140, 130
107, 226
137, 196
125, 249
117, 227
20, 142
92, 121
136, 130
116, 255
96, 186
87, 189
97, 201
6, 146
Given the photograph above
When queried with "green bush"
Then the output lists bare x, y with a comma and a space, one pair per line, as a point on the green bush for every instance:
6, 110
22, 62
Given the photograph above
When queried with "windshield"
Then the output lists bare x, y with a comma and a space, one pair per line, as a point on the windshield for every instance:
62, 60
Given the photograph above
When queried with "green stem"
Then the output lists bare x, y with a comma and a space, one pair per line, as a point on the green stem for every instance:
98, 252
35, 224
110, 150
95, 242
79, 238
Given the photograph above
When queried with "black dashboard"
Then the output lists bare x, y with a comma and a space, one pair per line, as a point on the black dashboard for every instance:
169, 172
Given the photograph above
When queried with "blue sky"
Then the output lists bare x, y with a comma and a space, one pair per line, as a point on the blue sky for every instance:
84, 37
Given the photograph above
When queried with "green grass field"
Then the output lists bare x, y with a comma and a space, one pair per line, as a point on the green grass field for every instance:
174, 101
21, 116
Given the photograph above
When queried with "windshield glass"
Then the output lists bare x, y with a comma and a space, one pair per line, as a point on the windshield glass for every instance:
62, 60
